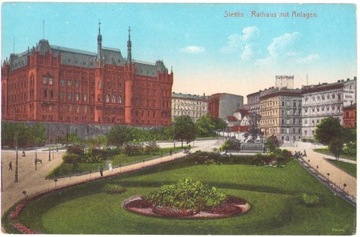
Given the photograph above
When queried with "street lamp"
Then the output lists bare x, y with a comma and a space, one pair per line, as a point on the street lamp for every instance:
17, 157
49, 143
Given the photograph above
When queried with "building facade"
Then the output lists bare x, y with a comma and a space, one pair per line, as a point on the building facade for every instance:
50, 83
222, 105
280, 112
325, 100
349, 116
253, 102
194, 106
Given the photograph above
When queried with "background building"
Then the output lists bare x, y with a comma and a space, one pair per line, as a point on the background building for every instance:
222, 105
349, 116
194, 106
50, 83
325, 100
280, 111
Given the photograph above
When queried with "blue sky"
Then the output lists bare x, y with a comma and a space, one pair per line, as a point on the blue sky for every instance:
208, 51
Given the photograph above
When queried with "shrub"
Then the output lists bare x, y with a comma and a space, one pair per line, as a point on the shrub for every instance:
133, 149
187, 194
151, 147
231, 144
114, 188
309, 200
76, 149
71, 158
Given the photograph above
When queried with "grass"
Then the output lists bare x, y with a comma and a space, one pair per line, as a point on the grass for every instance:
326, 151
347, 167
66, 169
271, 192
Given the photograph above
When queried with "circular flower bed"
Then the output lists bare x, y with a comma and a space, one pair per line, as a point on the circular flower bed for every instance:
232, 206
187, 199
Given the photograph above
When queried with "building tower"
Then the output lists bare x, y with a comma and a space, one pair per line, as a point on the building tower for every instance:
99, 43
99, 97
282, 81
129, 48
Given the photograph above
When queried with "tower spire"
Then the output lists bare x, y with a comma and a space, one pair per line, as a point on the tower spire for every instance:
129, 48
99, 42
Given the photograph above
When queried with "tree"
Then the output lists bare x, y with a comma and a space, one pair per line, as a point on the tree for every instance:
184, 129
328, 130
272, 143
336, 146
27, 135
205, 126
119, 135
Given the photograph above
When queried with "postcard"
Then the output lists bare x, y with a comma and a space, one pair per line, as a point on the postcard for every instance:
178, 118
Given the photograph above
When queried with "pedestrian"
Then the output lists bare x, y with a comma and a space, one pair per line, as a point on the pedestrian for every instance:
10, 165
110, 167
23, 154
304, 153
101, 169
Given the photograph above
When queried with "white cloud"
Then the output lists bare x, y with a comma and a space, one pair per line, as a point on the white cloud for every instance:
248, 52
193, 49
284, 50
281, 44
238, 42
308, 59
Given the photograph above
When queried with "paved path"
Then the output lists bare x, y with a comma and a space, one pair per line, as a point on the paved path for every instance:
325, 168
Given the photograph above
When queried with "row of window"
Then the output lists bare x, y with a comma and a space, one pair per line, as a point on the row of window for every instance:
322, 97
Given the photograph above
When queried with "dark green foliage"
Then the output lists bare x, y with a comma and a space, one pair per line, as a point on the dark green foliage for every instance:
71, 158
277, 159
119, 135
76, 149
187, 194
27, 135
184, 129
207, 126
350, 149
272, 143
327, 130
309, 200
133, 149
335, 146
151, 147
231, 144
114, 188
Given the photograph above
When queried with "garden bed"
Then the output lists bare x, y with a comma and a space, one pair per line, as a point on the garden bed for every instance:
232, 206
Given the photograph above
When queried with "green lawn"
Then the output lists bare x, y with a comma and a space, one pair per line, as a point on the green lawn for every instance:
326, 151
347, 167
271, 192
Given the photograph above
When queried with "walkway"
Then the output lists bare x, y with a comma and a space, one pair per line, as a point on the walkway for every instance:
333, 176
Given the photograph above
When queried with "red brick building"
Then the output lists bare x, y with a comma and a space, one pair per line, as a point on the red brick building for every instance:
349, 116
50, 83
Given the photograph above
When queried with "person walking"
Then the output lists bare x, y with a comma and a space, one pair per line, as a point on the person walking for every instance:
110, 167
10, 166
101, 169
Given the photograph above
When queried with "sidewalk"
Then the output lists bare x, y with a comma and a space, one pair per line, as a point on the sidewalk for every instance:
318, 162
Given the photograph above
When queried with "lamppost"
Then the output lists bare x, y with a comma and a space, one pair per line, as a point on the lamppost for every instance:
35, 159
2, 189
17, 158
49, 142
